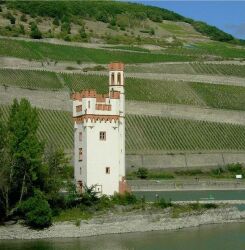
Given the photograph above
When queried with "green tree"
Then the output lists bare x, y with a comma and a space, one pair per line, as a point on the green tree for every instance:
36, 211
24, 146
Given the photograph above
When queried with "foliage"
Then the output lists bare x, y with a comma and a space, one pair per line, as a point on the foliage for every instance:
212, 32
142, 173
116, 13
11, 18
35, 32
235, 168
124, 199
161, 203
36, 211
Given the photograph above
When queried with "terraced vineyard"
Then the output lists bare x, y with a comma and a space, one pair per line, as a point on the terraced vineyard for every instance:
219, 69
43, 51
152, 134
138, 89
190, 68
221, 96
145, 134
31, 79
173, 68
55, 127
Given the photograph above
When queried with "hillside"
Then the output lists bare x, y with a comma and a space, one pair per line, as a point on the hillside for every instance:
107, 21
185, 89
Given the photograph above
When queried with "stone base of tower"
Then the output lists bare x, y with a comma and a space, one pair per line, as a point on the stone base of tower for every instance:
123, 186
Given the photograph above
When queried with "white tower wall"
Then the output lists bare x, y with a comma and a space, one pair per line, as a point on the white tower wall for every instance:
99, 136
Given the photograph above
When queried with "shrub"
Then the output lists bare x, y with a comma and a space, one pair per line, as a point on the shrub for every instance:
235, 168
210, 205
162, 203
36, 211
142, 173
124, 199
35, 32
23, 18
11, 18
56, 21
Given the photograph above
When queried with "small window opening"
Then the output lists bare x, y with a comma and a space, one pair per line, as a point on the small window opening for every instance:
119, 78
80, 136
80, 154
89, 104
112, 78
107, 170
80, 171
103, 136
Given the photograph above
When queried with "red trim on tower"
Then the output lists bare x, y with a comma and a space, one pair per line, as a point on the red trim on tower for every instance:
94, 118
116, 66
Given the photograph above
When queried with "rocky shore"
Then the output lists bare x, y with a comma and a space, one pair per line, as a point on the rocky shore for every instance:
125, 223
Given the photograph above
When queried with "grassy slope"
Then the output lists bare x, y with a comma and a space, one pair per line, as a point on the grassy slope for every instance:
42, 51
146, 134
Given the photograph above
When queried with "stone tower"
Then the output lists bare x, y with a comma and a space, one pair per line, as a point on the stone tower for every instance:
99, 135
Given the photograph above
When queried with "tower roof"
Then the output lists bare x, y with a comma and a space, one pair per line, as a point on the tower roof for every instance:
116, 66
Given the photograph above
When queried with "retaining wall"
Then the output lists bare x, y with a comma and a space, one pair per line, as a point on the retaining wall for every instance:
188, 160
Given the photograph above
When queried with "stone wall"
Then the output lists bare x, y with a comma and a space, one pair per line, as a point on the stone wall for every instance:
188, 160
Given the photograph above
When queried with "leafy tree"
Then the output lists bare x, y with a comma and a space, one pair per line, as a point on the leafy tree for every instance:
36, 211
35, 32
24, 147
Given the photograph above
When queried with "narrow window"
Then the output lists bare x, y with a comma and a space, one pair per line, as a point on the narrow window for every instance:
80, 136
80, 154
112, 79
103, 136
119, 78
107, 170
80, 171
89, 104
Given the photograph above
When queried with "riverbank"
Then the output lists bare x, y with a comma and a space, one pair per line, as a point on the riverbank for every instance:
126, 222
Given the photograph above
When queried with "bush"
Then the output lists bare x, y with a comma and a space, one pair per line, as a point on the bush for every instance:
11, 18
235, 168
23, 18
210, 205
56, 21
142, 173
124, 199
36, 211
162, 203
35, 32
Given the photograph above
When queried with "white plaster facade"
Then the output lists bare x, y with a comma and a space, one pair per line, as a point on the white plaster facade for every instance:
99, 135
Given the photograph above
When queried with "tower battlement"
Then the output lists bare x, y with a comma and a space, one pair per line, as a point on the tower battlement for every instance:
99, 135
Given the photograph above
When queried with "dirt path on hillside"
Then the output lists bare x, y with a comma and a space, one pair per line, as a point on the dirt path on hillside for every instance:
186, 112
73, 67
60, 100
228, 80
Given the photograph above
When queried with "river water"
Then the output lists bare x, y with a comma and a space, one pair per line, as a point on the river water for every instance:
210, 237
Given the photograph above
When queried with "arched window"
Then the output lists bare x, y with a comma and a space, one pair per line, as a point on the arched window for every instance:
112, 78
119, 78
